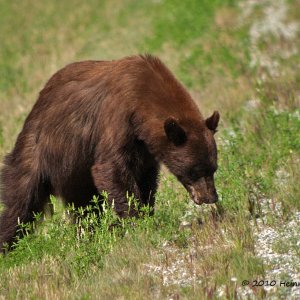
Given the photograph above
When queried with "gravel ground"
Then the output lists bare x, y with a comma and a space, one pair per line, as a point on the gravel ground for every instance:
272, 24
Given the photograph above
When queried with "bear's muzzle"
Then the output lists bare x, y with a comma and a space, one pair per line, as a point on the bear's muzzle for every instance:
203, 191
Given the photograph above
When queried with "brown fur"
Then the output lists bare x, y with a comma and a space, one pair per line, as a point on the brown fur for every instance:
101, 125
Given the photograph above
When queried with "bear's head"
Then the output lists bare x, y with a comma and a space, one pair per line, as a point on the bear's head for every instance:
191, 155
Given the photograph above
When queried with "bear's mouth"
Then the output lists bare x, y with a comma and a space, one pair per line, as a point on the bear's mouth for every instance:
194, 195
202, 193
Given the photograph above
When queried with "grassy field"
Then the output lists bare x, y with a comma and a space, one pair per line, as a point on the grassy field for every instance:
238, 57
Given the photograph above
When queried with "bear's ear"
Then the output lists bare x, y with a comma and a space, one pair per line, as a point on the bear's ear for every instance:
212, 121
174, 132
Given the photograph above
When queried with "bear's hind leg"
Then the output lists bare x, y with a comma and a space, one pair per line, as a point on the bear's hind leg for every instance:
23, 195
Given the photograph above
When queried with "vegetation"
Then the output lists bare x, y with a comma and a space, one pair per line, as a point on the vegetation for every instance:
231, 60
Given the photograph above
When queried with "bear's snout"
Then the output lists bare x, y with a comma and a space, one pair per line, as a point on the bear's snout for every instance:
203, 191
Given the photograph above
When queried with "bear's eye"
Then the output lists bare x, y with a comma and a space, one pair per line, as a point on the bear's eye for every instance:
195, 173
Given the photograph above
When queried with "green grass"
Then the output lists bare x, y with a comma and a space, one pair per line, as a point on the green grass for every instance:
209, 49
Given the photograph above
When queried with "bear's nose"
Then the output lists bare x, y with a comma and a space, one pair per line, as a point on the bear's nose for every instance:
214, 198
199, 197
209, 199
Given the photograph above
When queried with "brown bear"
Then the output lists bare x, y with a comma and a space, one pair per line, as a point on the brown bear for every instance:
107, 125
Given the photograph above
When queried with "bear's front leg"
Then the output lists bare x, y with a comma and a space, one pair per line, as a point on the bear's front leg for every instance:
117, 183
